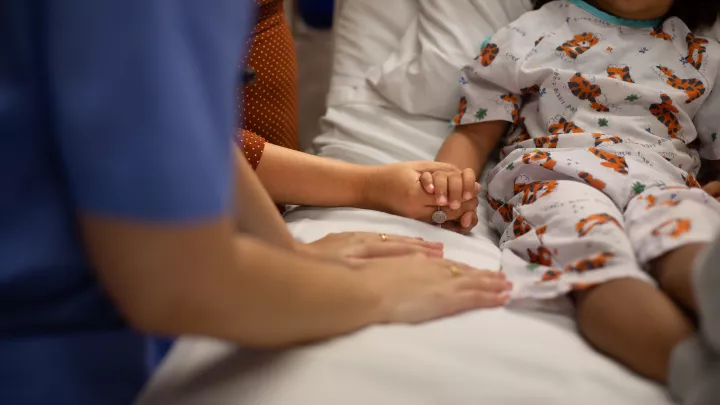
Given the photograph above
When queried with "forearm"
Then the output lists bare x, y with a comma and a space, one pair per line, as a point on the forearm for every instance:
293, 177
270, 298
469, 146
254, 209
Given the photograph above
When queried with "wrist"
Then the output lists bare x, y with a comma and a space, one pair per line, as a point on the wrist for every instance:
369, 185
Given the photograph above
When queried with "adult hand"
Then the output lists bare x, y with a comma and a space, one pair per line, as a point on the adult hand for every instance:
397, 189
416, 289
354, 248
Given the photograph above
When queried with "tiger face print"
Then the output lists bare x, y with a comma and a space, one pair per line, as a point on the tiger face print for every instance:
505, 210
543, 257
462, 109
584, 90
540, 158
658, 33
578, 45
666, 112
673, 228
488, 54
585, 225
690, 181
592, 181
696, 50
560, 125
611, 160
524, 136
533, 191
520, 227
547, 142
620, 72
551, 275
602, 138
515, 105
694, 88
596, 262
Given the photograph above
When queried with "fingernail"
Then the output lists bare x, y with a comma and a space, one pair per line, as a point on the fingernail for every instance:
441, 200
478, 187
455, 205
431, 188
467, 196
420, 239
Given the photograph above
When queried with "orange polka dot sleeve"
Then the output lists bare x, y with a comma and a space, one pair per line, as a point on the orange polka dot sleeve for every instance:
252, 146
269, 94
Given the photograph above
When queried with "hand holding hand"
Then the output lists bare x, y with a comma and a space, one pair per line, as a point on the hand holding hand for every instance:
452, 189
404, 189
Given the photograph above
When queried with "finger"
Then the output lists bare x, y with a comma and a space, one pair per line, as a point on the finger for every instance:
469, 181
371, 237
426, 179
469, 300
434, 167
488, 284
467, 206
469, 220
455, 190
393, 249
440, 180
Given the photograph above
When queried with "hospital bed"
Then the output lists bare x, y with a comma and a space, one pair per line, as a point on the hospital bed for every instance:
392, 94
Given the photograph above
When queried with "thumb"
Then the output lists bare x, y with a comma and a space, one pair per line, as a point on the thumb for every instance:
433, 167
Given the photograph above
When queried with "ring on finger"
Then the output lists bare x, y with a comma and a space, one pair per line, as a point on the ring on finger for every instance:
454, 271
384, 237
439, 216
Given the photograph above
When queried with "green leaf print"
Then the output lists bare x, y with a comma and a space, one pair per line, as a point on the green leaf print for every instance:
714, 136
632, 97
638, 188
603, 122
481, 114
510, 166
532, 266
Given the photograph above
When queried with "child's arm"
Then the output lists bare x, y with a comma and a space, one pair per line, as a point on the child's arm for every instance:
469, 146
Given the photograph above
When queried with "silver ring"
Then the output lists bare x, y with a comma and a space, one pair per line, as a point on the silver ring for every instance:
439, 216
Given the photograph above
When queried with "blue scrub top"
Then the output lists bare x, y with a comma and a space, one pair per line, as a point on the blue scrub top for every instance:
122, 109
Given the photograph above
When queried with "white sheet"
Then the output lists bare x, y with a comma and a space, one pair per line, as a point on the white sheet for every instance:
499, 356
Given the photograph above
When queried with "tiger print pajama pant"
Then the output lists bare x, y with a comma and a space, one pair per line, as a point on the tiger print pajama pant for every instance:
572, 218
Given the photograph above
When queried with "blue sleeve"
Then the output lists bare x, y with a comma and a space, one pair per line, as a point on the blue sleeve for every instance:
142, 101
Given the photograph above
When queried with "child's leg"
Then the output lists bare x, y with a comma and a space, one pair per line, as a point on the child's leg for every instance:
673, 272
669, 235
570, 236
633, 322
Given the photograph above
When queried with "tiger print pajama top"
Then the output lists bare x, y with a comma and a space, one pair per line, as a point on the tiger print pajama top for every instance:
610, 119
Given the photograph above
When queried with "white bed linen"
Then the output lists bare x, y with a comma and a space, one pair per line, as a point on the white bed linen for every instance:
501, 356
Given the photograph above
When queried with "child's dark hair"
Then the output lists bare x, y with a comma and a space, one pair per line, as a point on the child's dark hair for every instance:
695, 14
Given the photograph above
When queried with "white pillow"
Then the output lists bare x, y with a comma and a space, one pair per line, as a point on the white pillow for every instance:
421, 76
366, 32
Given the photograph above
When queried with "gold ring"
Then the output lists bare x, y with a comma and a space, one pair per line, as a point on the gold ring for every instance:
384, 237
454, 270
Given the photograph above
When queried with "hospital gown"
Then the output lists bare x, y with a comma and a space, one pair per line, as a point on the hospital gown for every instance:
609, 118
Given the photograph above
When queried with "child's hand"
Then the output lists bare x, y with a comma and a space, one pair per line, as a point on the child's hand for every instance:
713, 188
451, 188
